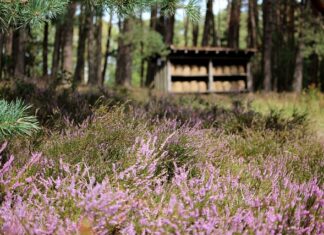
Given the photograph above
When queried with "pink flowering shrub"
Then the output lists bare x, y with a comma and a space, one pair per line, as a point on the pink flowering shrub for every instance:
153, 170
227, 194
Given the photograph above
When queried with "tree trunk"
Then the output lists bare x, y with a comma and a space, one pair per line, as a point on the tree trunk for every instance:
299, 66
186, 29
142, 81
7, 48
84, 22
8, 42
18, 51
124, 57
1, 52
252, 24
209, 35
98, 50
170, 21
299, 59
107, 48
67, 39
321, 74
267, 44
195, 34
45, 50
151, 66
91, 52
57, 50
234, 24
95, 50
165, 26
153, 20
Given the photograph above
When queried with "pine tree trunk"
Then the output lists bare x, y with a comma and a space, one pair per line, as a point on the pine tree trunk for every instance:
18, 51
91, 50
299, 67
195, 34
169, 31
234, 24
209, 35
151, 66
7, 65
98, 50
67, 39
267, 43
107, 48
186, 29
45, 49
84, 22
165, 26
57, 50
291, 22
124, 57
252, 24
95, 50
321, 74
299, 58
153, 19
142, 80
1, 52
8, 42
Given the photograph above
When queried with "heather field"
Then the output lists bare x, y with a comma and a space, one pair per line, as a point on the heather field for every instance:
250, 164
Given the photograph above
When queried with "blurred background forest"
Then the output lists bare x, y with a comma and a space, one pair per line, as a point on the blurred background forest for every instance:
94, 45
87, 146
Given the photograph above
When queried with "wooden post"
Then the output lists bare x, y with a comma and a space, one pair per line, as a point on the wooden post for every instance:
210, 76
169, 79
249, 78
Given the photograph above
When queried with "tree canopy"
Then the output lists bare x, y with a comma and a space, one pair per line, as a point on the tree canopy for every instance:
17, 13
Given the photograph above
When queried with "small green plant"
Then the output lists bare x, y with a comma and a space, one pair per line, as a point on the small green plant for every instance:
14, 119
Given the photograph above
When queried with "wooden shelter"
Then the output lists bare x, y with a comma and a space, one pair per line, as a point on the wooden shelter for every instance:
204, 70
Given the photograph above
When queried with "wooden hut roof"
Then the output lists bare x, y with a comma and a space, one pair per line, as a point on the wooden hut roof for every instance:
211, 50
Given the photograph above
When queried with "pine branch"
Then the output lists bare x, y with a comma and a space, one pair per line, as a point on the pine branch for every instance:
18, 13
14, 120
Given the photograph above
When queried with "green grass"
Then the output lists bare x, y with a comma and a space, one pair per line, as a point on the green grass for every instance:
310, 102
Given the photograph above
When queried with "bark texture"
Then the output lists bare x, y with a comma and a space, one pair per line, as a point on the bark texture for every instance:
84, 23
67, 39
209, 35
45, 49
124, 56
234, 24
267, 45
253, 24
18, 51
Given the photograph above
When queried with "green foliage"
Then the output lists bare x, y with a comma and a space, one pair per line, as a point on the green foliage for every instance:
130, 7
19, 13
314, 36
14, 119
146, 42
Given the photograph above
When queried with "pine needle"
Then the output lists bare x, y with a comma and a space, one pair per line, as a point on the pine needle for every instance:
14, 120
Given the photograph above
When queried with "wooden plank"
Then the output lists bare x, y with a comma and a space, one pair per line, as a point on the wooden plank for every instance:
249, 78
168, 75
156, 80
210, 75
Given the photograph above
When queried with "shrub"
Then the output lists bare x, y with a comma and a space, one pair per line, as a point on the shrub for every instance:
130, 169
